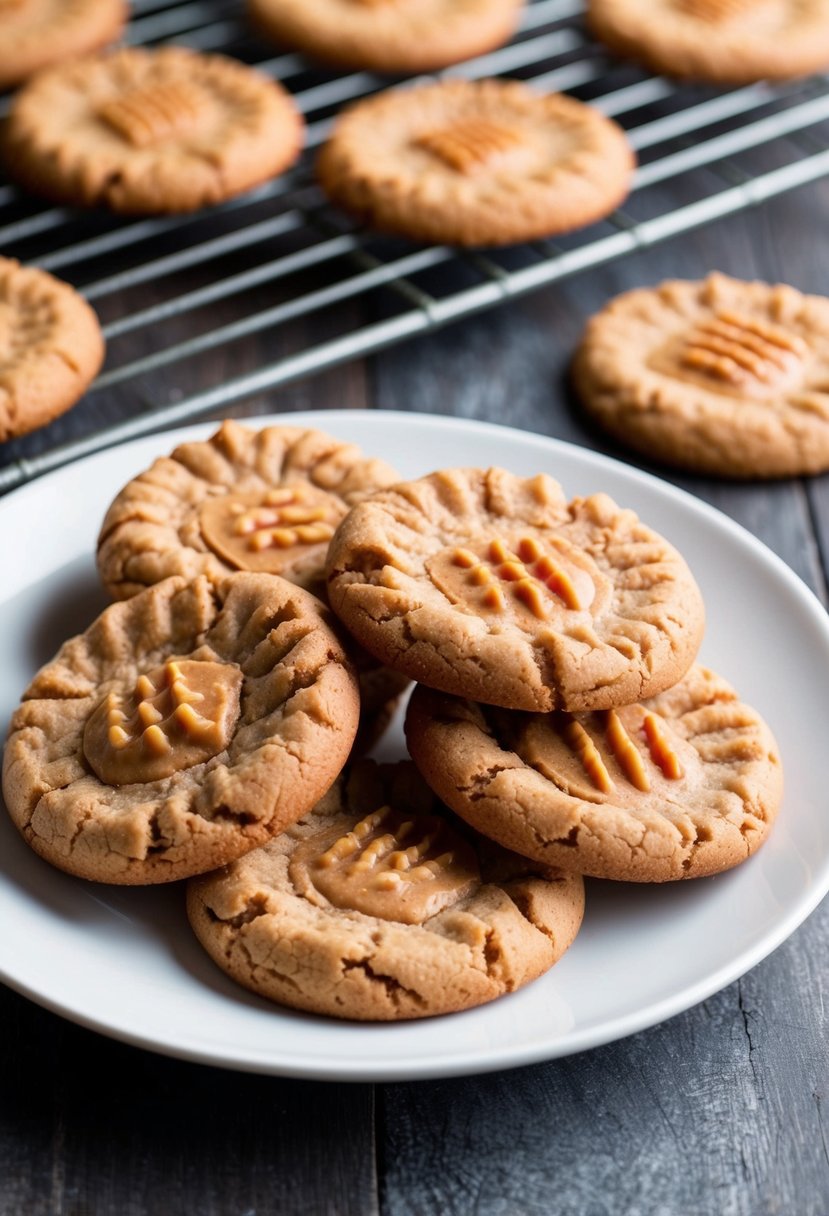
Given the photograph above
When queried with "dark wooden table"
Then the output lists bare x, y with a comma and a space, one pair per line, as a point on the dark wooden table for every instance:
718, 1112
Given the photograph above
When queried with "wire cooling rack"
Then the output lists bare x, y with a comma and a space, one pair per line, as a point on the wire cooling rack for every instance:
259, 264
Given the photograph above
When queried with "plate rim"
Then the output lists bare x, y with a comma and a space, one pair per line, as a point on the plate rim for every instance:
477, 1060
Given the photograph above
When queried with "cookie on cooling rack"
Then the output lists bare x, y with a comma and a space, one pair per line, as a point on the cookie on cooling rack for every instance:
719, 376
487, 162
51, 348
494, 587
681, 785
150, 131
722, 41
379, 906
388, 35
185, 727
39, 33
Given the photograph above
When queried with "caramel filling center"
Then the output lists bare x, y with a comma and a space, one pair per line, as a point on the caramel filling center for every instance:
177, 715
471, 145
393, 866
270, 531
160, 111
618, 753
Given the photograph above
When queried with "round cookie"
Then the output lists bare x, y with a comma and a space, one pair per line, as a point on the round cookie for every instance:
685, 784
185, 727
475, 163
38, 33
51, 348
494, 587
720, 376
150, 131
404, 36
379, 906
266, 500
721, 41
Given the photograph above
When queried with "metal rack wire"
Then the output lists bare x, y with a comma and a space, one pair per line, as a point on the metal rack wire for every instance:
726, 151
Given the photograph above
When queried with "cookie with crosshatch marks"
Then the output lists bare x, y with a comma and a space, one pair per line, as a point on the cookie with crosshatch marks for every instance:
719, 376
681, 785
722, 41
380, 906
494, 587
185, 727
388, 35
488, 162
150, 131
51, 348
38, 33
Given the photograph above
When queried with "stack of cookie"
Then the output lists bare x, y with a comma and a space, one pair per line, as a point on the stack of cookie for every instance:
204, 726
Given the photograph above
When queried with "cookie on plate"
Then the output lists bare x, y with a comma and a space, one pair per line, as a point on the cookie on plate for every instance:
38, 33
150, 131
722, 41
388, 35
719, 376
486, 162
51, 348
185, 727
266, 500
379, 906
494, 587
684, 784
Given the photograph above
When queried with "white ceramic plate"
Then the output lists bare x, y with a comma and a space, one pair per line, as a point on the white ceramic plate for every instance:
123, 961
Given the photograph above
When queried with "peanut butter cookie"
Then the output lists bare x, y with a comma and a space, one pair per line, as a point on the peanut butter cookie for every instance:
494, 587
266, 500
150, 131
379, 906
720, 376
51, 348
183, 728
684, 784
38, 33
388, 35
476, 163
722, 41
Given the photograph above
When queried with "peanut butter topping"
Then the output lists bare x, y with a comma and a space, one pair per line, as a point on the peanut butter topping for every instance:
149, 115
176, 716
622, 754
744, 353
527, 579
395, 866
716, 10
268, 531
471, 145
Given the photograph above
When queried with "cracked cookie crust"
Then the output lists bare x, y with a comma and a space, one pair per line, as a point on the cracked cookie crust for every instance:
494, 587
388, 35
185, 727
685, 784
488, 162
719, 376
51, 348
149, 132
380, 906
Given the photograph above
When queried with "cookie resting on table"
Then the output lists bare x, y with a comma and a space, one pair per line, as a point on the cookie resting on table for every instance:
185, 727
150, 131
722, 41
685, 784
266, 500
51, 348
718, 376
380, 906
38, 33
494, 587
388, 35
488, 162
